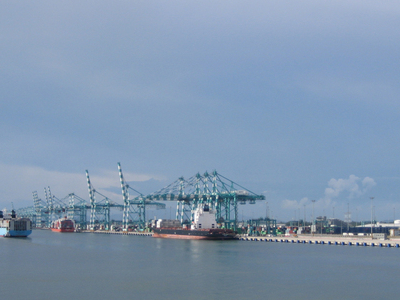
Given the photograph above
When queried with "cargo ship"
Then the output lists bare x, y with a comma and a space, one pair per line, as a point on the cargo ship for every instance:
14, 227
203, 227
63, 225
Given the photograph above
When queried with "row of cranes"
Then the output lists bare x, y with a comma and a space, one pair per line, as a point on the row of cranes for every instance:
220, 193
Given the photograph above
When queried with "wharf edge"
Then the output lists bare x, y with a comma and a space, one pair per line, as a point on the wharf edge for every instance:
338, 241
323, 240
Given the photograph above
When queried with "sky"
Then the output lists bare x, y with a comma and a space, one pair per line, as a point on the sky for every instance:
295, 100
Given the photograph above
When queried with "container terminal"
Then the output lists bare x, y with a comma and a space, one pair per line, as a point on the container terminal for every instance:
221, 194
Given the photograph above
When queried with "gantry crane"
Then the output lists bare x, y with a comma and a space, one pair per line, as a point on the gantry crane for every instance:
219, 192
134, 212
100, 211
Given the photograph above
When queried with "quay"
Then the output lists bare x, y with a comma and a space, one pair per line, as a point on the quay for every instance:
118, 232
325, 240
300, 239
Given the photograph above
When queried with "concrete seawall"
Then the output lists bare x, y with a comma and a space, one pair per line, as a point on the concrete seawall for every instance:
326, 240
118, 232
301, 239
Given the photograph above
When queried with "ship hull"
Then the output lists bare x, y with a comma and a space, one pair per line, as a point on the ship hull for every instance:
14, 233
62, 229
15, 227
63, 225
211, 234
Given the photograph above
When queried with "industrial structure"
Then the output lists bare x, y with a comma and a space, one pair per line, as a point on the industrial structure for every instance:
219, 192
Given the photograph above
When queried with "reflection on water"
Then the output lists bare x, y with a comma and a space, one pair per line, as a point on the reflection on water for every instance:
97, 266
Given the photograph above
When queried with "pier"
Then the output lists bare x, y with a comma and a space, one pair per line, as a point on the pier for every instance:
118, 232
301, 239
325, 240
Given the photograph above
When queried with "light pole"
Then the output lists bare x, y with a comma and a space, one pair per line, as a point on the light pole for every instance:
298, 223
374, 210
348, 217
267, 223
356, 216
372, 198
312, 221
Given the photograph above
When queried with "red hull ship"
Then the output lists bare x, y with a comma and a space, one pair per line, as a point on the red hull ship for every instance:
204, 227
190, 234
63, 225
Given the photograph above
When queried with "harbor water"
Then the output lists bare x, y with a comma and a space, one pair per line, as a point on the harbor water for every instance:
49, 265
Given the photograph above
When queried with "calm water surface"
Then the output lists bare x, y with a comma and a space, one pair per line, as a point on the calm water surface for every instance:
50, 265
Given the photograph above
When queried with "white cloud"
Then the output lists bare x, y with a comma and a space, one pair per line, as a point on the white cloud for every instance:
294, 204
290, 204
368, 183
353, 187
18, 182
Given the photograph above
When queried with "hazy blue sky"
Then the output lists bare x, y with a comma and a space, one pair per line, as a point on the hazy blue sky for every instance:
298, 100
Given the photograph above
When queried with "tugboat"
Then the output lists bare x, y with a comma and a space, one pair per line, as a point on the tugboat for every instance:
14, 227
63, 225
203, 227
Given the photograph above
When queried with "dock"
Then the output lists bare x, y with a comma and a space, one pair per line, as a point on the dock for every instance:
301, 239
118, 232
326, 240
